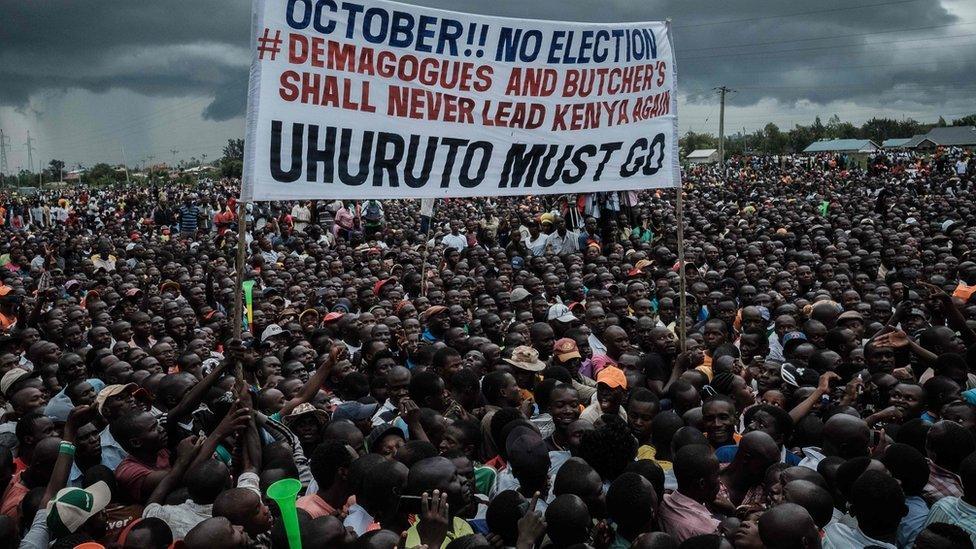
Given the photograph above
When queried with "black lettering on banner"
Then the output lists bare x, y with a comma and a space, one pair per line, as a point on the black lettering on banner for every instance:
383, 162
344, 145
628, 172
452, 149
418, 181
485, 147
657, 141
579, 163
642, 163
545, 180
520, 166
325, 155
295, 163
608, 150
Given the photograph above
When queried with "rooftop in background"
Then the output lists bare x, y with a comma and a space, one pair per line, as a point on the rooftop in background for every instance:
842, 145
701, 153
951, 136
895, 143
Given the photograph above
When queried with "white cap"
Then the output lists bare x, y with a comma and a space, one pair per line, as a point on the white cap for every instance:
561, 313
271, 331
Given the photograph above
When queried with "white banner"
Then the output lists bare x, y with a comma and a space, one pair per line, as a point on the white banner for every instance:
380, 99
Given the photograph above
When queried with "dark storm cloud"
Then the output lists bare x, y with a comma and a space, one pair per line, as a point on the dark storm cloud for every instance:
199, 47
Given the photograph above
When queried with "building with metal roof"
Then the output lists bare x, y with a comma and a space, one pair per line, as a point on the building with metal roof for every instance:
842, 146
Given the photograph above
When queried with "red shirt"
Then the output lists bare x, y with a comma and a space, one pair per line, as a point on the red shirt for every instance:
131, 475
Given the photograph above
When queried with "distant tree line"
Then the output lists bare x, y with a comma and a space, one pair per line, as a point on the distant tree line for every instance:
772, 140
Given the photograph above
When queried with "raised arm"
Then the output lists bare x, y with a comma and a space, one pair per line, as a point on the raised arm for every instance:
195, 395
823, 388
188, 449
314, 383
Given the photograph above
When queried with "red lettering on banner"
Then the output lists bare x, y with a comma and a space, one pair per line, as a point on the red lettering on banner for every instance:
419, 104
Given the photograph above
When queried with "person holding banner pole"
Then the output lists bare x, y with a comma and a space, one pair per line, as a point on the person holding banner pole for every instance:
238, 311
682, 303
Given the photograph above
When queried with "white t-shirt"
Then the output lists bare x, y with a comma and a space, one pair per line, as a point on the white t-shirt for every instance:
458, 242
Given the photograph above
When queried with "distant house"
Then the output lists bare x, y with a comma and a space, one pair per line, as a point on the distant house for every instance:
702, 156
849, 146
952, 136
895, 143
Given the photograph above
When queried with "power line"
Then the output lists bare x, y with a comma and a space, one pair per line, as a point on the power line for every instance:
834, 37
839, 46
798, 14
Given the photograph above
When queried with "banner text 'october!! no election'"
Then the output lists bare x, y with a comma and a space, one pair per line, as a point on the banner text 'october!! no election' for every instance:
386, 100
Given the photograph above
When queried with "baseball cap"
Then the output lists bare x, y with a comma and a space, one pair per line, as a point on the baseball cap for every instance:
111, 391
379, 285
433, 311
354, 411
518, 294
380, 432
72, 507
612, 377
850, 315
561, 313
525, 447
271, 331
329, 317
566, 349
11, 377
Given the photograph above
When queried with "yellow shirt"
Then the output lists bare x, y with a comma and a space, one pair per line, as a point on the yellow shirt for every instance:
648, 451
459, 529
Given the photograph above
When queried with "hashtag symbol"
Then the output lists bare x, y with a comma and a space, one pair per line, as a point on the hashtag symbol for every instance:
268, 44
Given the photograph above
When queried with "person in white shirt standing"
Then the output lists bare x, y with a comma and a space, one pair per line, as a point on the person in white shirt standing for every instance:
301, 215
455, 239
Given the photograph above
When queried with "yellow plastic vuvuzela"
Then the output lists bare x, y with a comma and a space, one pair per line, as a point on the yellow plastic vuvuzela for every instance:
285, 494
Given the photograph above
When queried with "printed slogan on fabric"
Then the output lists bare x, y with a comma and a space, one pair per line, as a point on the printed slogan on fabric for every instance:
386, 100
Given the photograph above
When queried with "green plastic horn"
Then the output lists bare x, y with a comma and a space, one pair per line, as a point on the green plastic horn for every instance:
285, 494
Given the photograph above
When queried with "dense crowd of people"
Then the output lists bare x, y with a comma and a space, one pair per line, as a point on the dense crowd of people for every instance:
507, 372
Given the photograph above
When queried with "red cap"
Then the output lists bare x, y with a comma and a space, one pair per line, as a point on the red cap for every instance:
333, 316
379, 285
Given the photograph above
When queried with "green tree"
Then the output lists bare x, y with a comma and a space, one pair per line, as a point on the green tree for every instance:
968, 120
54, 169
232, 163
692, 141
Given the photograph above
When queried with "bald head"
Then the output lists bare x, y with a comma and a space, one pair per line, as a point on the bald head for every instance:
788, 526
757, 451
215, 533
759, 443
567, 520
846, 436
815, 499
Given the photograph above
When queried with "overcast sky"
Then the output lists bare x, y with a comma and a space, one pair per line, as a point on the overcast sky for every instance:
88, 79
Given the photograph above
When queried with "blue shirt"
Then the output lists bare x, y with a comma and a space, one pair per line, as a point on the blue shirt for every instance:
913, 522
60, 405
726, 454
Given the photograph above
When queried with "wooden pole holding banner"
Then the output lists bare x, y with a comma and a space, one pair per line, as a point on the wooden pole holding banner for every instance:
682, 305
427, 237
238, 312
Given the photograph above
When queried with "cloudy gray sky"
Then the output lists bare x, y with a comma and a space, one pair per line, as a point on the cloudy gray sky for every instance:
89, 79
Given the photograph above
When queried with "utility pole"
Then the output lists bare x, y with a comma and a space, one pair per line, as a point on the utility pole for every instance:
721, 125
124, 165
150, 158
4, 142
30, 153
